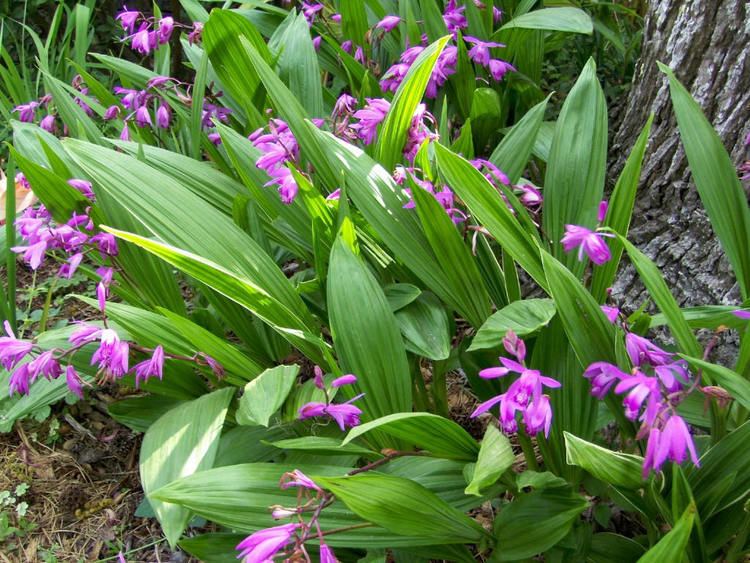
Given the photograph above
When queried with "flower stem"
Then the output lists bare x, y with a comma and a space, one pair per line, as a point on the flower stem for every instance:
528, 449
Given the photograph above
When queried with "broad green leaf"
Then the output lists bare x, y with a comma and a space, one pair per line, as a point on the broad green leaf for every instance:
425, 327
715, 177
180, 443
221, 38
215, 547
622, 470
452, 254
714, 470
514, 151
139, 413
522, 317
589, 331
265, 394
620, 211
486, 204
381, 201
392, 135
706, 316
607, 547
297, 62
248, 444
399, 295
674, 544
320, 445
568, 19
495, 456
354, 21
537, 480
574, 182
366, 335
659, 292
534, 522
736, 385
234, 286
440, 436
404, 507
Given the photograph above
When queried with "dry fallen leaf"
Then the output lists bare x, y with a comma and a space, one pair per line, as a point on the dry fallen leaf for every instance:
24, 197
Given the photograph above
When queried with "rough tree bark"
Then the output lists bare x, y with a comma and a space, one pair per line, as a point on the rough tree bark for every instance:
707, 43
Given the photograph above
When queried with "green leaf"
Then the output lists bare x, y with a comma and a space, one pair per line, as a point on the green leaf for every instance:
453, 256
392, 135
213, 548
237, 288
180, 443
659, 292
425, 327
320, 445
404, 507
715, 177
399, 295
737, 386
522, 317
674, 543
366, 335
589, 331
139, 413
534, 522
514, 151
440, 436
265, 394
574, 182
607, 547
622, 470
495, 456
620, 212
572, 20
222, 40
298, 63
490, 209
715, 469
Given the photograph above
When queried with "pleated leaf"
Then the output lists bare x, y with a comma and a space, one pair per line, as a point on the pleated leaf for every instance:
572, 20
715, 177
673, 543
623, 470
182, 442
366, 336
265, 394
495, 457
522, 317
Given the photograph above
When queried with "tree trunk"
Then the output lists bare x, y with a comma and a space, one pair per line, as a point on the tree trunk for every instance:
706, 43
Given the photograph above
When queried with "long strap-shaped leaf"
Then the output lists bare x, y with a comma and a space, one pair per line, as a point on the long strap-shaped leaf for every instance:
236, 287
488, 207
716, 179
574, 183
408, 96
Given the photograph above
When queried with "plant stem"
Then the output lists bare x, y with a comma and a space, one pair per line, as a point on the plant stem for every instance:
439, 387
10, 241
528, 449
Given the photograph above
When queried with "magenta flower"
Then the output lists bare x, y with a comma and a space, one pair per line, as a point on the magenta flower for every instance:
538, 416
742, 314
82, 186
262, 546
143, 117
152, 367
370, 117
69, 268
610, 312
347, 379
106, 243
26, 111
602, 212
326, 554
492, 172
673, 443
33, 254
12, 350
359, 54
20, 380
128, 18
287, 185
163, 116
73, 381
345, 414
480, 52
454, 18
297, 479
48, 123
602, 375
141, 40
673, 376
642, 351
588, 242
643, 389
125, 133
215, 138
215, 366
393, 77
499, 68
530, 196
311, 10
195, 35
318, 378
112, 353
45, 364
388, 23
166, 26
84, 334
